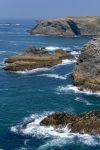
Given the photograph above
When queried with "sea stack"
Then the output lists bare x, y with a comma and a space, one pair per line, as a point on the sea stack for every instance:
87, 72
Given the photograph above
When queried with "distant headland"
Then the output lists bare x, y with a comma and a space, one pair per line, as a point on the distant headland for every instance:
68, 26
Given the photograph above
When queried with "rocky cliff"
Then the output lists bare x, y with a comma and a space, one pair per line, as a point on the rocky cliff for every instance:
87, 72
68, 26
34, 57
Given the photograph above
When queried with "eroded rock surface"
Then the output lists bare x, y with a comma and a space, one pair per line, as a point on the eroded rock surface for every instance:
33, 58
88, 122
68, 26
87, 72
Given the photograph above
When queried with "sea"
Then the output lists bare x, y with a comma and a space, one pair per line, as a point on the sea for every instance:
34, 94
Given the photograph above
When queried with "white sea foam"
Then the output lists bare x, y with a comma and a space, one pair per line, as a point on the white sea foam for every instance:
56, 76
71, 88
58, 136
75, 52
32, 71
53, 48
83, 101
67, 61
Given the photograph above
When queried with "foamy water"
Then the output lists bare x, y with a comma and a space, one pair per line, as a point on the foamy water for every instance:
75, 52
56, 76
53, 48
32, 71
67, 61
58, 136
71, 88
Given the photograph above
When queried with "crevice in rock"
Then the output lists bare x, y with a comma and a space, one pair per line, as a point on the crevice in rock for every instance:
74, 27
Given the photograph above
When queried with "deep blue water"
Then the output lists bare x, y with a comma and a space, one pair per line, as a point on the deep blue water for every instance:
38, 93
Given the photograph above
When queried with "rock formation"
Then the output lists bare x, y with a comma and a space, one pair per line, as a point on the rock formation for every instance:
68, 26
87, 72
33, 58
88, 122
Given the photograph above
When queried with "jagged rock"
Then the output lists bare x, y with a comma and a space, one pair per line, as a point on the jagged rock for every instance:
88, 122
33, 58
87, 72
68, 26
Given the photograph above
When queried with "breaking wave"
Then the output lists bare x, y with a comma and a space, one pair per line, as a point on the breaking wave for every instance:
67, 61
56, 76
58, 136
32, 71
53, 48
75, 52
71, 88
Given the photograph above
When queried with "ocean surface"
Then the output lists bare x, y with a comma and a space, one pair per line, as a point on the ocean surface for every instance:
37, 93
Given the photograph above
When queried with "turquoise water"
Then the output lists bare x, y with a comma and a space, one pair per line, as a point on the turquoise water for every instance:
35, 94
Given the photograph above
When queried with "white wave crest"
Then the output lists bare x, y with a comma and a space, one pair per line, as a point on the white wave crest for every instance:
75, 52
76, 90
32, 71
56, 76
63, 135
53, 48
68, 61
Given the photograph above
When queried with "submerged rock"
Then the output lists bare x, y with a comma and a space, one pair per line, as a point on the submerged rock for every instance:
87, 72
33, 58
68, 26
88, 122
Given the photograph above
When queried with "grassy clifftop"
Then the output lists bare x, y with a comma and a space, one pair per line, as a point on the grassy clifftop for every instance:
68, 26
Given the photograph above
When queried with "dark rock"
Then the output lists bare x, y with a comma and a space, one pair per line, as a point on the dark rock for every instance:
88, 122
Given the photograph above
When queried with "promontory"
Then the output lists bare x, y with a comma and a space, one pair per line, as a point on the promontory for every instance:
68, 26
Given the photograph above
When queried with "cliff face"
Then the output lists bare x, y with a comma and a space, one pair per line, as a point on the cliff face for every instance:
87, 72
68, 26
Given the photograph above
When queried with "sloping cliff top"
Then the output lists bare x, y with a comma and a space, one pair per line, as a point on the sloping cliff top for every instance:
68, 26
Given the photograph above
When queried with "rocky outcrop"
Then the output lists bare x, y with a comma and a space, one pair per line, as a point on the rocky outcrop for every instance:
68, 26
33, 58
87, 72
88, 122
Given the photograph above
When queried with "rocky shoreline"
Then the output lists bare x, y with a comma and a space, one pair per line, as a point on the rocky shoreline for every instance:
87, 122
68, 26
87, 72
33, 58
